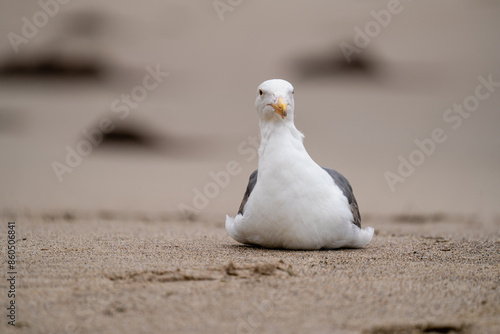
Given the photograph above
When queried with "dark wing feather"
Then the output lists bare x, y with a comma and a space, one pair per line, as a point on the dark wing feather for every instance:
251, 184
343, 184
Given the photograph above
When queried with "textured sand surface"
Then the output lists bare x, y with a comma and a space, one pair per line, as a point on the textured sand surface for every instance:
84, 268
135, 275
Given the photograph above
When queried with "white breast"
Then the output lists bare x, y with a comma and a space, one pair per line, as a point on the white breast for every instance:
295, 203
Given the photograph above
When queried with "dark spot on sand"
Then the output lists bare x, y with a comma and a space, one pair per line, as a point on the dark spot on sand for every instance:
418, 329
334, 64
419, 218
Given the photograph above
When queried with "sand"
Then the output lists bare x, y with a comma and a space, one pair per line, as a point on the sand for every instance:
105, 247
95, 274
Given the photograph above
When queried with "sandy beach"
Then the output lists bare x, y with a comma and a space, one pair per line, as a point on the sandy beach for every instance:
421, 274
128, 131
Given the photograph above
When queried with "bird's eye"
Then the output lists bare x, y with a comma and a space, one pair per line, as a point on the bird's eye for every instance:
260, 92
293, 91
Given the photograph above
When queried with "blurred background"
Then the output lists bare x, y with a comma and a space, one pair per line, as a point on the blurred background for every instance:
162, 142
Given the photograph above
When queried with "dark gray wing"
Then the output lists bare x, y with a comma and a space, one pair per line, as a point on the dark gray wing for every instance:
343, 184
251, 184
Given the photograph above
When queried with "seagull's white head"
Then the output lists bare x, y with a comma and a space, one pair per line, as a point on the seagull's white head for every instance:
275, 101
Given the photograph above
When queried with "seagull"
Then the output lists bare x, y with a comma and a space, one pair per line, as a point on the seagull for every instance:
290, 201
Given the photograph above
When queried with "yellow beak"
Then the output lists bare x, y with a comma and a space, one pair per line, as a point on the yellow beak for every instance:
280, 107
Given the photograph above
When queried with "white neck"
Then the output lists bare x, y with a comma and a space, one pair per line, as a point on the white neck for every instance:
284, 132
